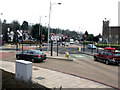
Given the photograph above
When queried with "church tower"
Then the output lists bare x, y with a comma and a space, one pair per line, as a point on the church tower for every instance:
105, 31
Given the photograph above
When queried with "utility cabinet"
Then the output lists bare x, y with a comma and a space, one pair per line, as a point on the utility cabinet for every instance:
23, 70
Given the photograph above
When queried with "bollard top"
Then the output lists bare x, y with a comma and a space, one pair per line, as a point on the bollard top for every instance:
67, 52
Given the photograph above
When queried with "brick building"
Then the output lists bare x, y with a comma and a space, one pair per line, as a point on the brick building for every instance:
111, 33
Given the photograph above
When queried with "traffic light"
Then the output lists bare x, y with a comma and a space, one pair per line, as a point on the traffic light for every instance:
43, 37
85, 37
65, 37
53, 35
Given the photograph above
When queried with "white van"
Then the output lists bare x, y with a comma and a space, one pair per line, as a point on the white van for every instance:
71, 41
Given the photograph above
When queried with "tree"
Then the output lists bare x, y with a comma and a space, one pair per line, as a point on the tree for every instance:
90, 37
24, 25
86, 33
96, 39
4, 21
5, 37
15, 25
35, 31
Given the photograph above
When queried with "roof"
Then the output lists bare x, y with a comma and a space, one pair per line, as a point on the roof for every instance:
114, 27
34, 50
109, 48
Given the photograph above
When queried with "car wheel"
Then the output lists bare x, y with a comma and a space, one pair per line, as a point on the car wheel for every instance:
117, 64
95, 59
107, 62
18, 57
33, 60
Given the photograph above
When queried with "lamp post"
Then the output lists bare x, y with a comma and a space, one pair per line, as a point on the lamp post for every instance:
49, 22
40, 33
1, 26
109, 33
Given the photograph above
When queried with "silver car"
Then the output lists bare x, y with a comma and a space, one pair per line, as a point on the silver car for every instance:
91, 46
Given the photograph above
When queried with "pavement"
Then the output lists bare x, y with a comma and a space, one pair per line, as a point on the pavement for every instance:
54, 79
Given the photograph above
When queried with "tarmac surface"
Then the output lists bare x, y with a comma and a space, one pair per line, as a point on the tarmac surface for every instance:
54, 79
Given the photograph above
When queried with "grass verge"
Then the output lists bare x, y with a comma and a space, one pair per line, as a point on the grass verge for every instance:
10, 82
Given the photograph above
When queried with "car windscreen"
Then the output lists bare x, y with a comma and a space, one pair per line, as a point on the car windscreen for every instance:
25, 52
117, 54
38, 52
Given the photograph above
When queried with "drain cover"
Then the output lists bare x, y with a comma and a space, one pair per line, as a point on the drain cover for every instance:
40, 78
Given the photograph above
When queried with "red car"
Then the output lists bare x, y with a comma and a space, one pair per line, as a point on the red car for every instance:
108, 56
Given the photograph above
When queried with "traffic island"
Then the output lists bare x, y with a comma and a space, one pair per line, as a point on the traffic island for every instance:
60, 58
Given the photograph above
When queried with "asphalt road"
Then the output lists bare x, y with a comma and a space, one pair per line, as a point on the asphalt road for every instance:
107, 74
72, 49
62, 49
82, 66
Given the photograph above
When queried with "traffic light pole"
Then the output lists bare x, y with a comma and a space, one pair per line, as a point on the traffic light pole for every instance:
51, 47
40, 34
97, 47
84, 46
92, 47
16, 42
40, 42
30, 40
57, 48
22, 42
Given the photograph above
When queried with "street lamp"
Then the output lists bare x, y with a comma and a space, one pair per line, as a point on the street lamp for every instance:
1, 22
40, 33
1, 36
49, 22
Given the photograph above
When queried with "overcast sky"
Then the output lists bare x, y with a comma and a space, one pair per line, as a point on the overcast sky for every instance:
78, 15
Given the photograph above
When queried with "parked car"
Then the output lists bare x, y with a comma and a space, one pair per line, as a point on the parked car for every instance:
31, 55
54, 42
91, 46
65, 44
108, 56
76, 41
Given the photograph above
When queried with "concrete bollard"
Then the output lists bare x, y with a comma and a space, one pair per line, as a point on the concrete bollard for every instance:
18, 44
66, 54
79, 49
9, 45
